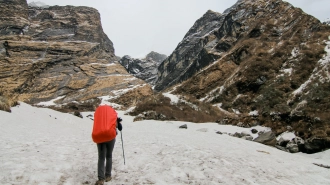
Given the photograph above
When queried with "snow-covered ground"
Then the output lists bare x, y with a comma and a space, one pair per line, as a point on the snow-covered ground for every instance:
42, 146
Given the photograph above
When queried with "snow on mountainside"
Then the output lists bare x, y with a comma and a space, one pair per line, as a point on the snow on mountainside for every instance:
263, 56
144, 68
38, 4
42, 146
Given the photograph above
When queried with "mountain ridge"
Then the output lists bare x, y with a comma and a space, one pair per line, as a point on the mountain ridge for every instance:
263, 56
260, 62
59, 51
145, 68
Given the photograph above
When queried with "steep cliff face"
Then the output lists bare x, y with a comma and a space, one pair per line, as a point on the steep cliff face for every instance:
156, 57
190, 55
61, 52
145, 68
68, 23
38, 4
265, 57
13, 20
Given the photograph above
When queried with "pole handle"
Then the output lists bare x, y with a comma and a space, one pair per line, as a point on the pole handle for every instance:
122, 145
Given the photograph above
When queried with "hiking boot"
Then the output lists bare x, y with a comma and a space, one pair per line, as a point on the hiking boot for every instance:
99, 182
107, 178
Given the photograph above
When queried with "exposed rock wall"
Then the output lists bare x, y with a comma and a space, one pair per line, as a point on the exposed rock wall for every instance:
190, 55
145, 68
156, 57
263, 56
68, 23
53, 52
13, 16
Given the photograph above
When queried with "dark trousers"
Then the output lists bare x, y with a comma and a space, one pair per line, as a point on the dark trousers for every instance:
105, 153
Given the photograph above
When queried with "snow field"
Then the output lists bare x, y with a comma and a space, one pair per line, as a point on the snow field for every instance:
42, 146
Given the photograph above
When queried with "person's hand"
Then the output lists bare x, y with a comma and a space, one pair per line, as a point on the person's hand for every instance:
119, 119
120, 126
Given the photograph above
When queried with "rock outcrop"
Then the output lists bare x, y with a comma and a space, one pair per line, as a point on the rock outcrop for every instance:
38, 4
327, 21
263, 56
145, 68
156, 57
190, 55
58, 52
267, 138
13, 16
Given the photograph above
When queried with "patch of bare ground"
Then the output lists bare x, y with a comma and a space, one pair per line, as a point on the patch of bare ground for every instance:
133, 97
7, 101
190, 109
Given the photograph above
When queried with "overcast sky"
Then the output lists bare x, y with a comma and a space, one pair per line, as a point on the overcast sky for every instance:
137, 27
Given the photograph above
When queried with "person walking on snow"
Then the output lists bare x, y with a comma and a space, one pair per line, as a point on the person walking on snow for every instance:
104, 135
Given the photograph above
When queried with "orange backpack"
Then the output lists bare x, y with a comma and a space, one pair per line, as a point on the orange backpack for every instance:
105, 121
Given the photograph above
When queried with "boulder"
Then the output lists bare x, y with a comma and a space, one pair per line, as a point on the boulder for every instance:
292, 147
184, 126
285, 138
239, 135
281, 148
267, 138
254, 131
218, 132
249, 138
151, 115
313, 145
299, 141
78, 114
282, 142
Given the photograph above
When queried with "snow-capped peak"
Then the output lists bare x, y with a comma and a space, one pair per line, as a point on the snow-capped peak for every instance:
38, 4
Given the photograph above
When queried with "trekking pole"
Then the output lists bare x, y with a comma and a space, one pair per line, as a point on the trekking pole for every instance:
122, 144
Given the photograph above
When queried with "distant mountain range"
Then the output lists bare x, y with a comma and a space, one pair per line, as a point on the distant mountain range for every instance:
145, 68
38, 4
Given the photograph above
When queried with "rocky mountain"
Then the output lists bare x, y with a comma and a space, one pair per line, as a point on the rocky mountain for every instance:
327, 21
58, 52
145, 68
156, 57
190, 55
38, 4
261, 62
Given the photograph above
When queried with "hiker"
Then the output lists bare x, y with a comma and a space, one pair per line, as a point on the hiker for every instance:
104, 135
